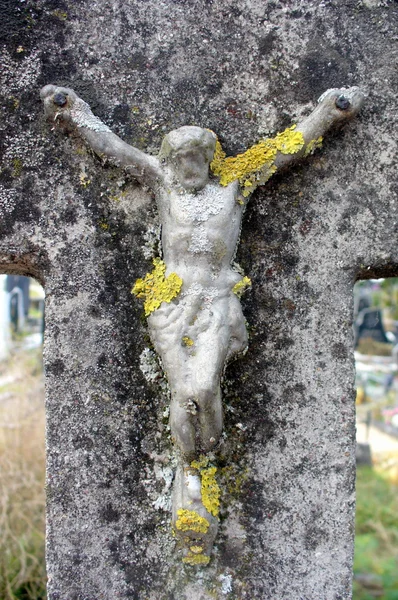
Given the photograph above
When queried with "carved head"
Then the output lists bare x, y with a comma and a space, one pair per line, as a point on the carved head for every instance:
189, 151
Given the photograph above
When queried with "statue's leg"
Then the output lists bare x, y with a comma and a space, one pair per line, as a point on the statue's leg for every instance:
238, 332
208, 365
183, 413
210, 416
194, 526
225, 336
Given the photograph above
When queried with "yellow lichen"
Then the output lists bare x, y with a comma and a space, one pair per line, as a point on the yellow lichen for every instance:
196, 559
313, 145
190, 520
238, 167
201, 463
155, 288
255, 166
210, 490
216, 165
84, 180
196, 549
187, 341
289, 141
241, 286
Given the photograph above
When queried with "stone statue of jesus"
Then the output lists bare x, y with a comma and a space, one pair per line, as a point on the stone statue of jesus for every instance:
192, 296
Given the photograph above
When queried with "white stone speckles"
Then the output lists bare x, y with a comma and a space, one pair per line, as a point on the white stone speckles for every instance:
204, 204
8, 200
199, 241
207, 294
83, 117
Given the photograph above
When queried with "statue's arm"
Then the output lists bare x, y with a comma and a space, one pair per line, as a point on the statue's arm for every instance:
334, 106
255, 166
63, 106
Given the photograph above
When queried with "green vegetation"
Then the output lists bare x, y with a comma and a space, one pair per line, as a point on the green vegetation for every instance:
384, 294
387, 296
371, 347
22, 468
376, 540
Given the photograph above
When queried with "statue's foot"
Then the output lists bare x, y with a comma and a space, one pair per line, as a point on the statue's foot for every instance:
195, 527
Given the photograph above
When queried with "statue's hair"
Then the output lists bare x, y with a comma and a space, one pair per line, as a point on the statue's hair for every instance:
188, 137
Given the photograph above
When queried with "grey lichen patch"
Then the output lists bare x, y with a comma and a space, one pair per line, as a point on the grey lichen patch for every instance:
152, 370
83, 117
18, 75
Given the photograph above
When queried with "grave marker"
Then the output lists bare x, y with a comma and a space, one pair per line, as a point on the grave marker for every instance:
289, 437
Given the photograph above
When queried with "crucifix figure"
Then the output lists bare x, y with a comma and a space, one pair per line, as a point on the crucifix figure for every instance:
191, 297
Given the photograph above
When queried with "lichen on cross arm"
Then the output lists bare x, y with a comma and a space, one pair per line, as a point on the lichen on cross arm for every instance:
255, 166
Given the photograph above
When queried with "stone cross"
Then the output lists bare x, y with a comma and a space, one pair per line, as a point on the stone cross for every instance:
195, 319
82, 226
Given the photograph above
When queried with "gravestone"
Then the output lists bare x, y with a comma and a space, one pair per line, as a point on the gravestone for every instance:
364, 454
4, 320
23, 283
85, 231
369, 324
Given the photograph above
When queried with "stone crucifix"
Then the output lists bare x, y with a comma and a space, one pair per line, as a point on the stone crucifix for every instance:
191, 297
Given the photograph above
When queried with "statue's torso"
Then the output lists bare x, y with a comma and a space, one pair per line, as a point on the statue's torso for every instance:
200, 232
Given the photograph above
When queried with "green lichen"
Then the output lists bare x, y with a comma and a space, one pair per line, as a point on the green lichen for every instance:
234, 477
255, 166
187, 341
242, 285
15, 101
155, 288
210, 490
17, 166
59, 14
190, 520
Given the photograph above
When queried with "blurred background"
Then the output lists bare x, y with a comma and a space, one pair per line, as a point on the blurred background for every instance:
22, 440
376, 360
22, 445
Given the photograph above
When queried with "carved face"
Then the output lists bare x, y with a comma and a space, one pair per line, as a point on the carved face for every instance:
191, 167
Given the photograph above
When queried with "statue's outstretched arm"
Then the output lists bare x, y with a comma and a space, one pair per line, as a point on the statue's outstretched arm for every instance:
64, 106
255, 166
334, 106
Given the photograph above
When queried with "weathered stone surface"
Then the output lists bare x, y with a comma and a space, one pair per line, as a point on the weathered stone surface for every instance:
288, 458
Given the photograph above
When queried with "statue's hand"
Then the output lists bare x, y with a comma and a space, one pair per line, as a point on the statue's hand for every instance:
58, 103
340, 104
